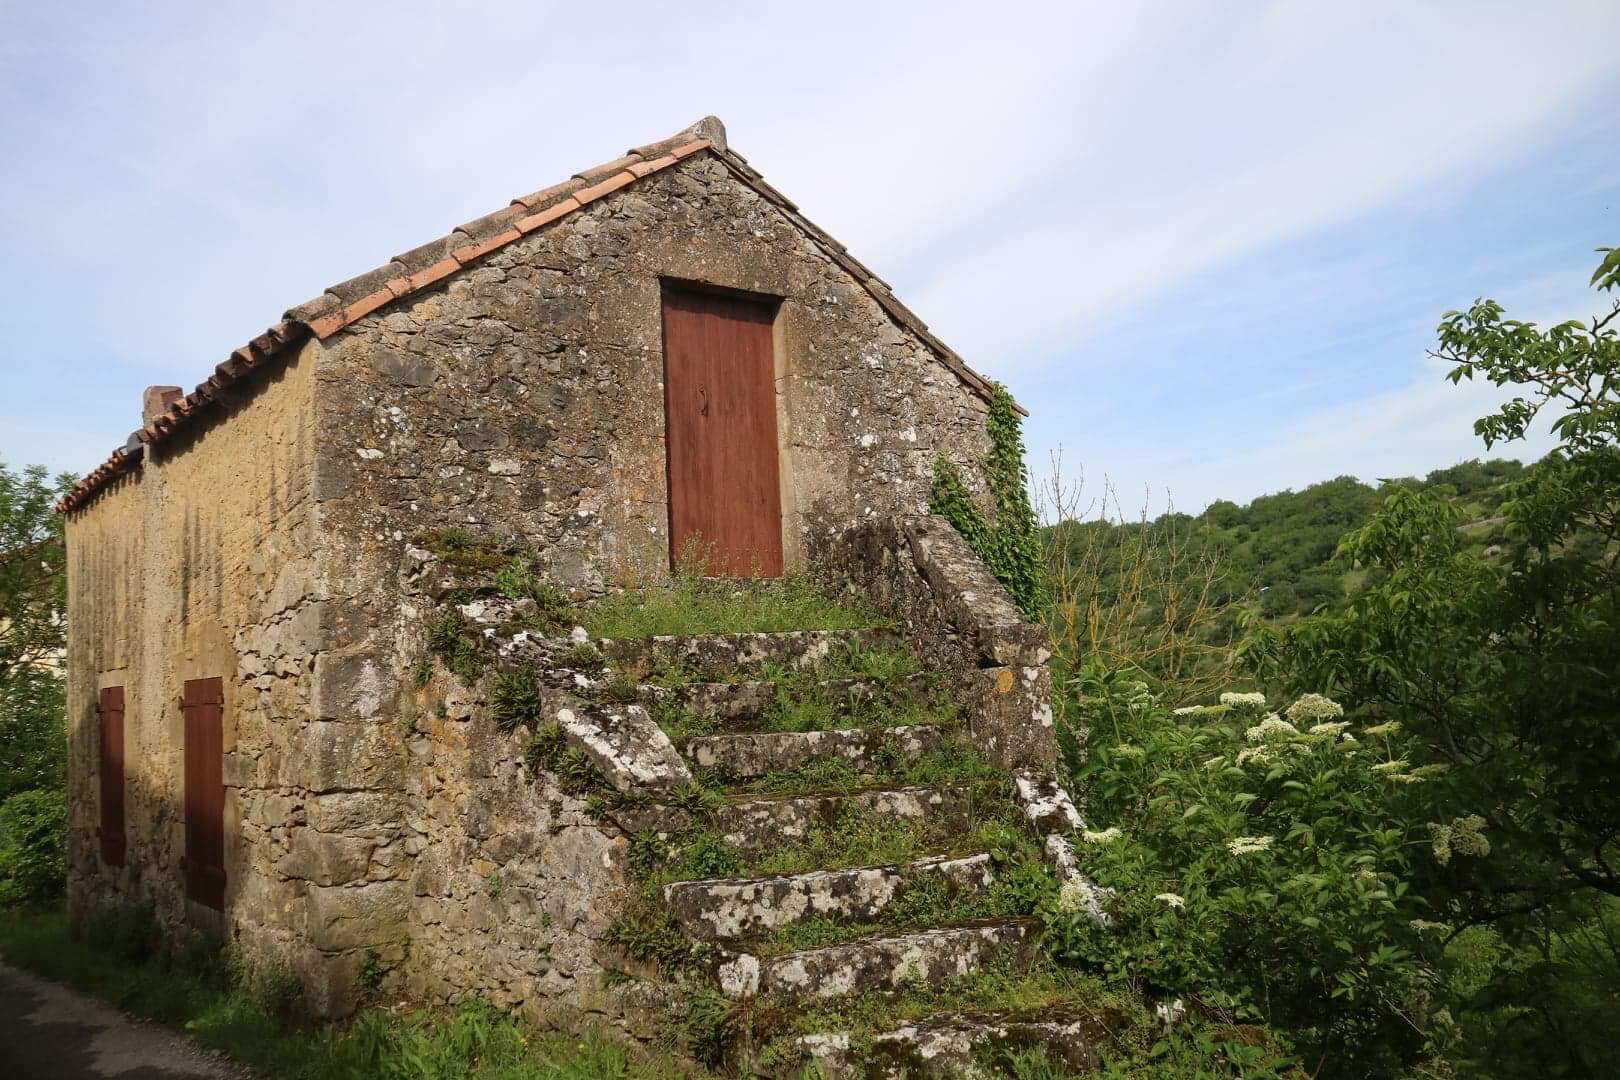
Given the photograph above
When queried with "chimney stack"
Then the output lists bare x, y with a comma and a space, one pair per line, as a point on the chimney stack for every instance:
156, 401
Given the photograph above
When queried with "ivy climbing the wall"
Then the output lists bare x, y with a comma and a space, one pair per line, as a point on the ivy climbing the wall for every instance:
1009, 543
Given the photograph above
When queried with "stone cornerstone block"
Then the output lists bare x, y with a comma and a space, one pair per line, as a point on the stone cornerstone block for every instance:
358, 916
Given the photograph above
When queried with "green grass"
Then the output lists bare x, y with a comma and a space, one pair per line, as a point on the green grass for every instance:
475, 1040
697, 605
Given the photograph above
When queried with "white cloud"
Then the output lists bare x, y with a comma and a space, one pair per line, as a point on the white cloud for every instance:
1308, 115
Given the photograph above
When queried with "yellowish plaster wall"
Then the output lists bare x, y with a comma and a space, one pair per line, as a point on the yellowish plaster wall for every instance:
198, 564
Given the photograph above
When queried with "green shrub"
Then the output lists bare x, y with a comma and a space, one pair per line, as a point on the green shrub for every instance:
1263, 865
33, 856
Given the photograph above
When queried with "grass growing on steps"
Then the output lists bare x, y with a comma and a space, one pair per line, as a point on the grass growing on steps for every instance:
248, 1019
698, 605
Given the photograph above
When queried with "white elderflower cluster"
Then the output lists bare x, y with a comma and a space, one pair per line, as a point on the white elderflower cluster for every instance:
1272, 726
1076, 895
1331, 729
1101, 836
1464, 836
1314, 707
1389, 727
1248, 845
1243, 701
1391, 768
1128, 751
1201, 710
1260, 755
1172, 900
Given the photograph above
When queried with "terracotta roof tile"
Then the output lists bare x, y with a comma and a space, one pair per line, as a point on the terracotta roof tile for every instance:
313, 309
604, 187
429, 274
423, 255
422, 267
607, 168
546, 216
490, 224
546, 196
363, 284
642, 168
470, 252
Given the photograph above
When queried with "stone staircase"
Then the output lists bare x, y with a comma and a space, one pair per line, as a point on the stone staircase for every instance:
819, 849
836, 921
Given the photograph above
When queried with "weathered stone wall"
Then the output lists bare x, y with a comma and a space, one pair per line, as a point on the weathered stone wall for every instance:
199, 564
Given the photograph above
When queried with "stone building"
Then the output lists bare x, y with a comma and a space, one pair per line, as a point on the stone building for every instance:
658, 349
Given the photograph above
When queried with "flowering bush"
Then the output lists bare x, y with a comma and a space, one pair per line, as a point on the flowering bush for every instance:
1261, 865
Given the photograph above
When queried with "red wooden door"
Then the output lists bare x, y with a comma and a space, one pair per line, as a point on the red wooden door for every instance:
720, 432
110, 712
203, 705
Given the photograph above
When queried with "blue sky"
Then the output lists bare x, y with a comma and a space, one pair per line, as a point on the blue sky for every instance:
1205, 243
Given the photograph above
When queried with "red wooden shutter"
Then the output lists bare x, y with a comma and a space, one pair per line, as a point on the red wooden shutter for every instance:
111, 773
720, 432
203, 705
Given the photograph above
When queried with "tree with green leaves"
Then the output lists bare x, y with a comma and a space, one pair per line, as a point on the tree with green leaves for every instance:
1505, 671
33, 593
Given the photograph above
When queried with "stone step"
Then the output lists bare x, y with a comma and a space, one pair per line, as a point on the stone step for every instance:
743, 706
724, 909
881, 962
747, 756
954, 1044
757, 824
721, 656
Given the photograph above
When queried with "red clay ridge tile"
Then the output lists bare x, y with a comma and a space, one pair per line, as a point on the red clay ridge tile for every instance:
429, 274
327, 325
607, 168
642, 168
547, 216
550, 194
608, 186
467, 254
690, 148
490, 224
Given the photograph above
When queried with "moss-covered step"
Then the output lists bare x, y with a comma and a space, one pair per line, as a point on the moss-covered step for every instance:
956, 1044
722, 656
723, 909
882, 962
748, 755
757, 824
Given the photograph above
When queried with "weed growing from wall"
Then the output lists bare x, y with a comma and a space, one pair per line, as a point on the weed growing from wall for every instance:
1009, 543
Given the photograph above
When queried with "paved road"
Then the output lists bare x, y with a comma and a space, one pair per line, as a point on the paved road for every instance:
48, 1032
